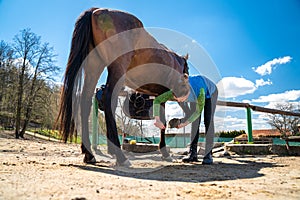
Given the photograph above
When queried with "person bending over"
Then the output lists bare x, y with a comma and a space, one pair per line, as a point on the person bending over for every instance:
203, 94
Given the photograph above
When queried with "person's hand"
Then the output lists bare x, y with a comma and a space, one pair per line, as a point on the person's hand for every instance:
181, 125
159, 124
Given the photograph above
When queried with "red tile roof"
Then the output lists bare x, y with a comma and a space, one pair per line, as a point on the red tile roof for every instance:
264, 133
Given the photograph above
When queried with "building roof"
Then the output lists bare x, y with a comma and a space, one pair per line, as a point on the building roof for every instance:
264, 133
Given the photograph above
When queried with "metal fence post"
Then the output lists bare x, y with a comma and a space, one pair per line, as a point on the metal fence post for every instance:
95, 124
249, 124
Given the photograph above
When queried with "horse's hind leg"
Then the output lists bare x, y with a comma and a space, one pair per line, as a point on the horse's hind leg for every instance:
93, 70
162, 144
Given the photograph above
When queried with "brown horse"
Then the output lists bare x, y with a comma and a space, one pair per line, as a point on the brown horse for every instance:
116, 40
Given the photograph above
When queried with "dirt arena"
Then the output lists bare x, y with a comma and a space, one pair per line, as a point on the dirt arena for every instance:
39, 169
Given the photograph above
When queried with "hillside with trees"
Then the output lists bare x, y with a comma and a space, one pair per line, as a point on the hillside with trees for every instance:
28, 93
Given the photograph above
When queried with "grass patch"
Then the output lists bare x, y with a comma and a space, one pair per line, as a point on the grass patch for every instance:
56, 135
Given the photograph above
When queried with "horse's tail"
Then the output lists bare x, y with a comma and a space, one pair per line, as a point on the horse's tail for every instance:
80, 47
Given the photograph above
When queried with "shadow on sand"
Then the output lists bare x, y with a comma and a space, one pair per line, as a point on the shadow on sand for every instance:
234, 168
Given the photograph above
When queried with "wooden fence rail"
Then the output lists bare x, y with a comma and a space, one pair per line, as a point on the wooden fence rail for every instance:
250, 107
257, 108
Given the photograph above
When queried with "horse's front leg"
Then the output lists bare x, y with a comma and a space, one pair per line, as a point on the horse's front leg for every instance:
162, 144
115, 81
111, 126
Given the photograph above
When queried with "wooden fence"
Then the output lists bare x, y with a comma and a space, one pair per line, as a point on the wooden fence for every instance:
250, 107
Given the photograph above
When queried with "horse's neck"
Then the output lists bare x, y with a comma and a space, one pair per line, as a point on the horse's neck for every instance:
145, 40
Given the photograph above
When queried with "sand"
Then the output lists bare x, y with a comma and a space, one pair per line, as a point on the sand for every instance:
40, 169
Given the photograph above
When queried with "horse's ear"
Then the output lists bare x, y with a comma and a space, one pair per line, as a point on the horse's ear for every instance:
186, 57
185, 77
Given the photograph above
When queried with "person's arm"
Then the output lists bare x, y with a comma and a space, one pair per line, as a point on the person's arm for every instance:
159, 100
186, 109
198, 111
156, 107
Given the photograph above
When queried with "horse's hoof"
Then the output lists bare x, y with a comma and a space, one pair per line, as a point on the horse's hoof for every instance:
168, 159
126, 163
164, 152
89, 159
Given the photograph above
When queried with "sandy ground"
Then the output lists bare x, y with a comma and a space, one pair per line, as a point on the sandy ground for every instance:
39, 169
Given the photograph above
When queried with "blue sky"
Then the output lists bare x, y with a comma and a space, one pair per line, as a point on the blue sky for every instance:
254, 44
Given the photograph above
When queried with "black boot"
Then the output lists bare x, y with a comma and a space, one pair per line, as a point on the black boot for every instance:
208, 159
192, 156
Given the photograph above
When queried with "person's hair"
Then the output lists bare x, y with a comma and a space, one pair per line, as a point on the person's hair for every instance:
182, 88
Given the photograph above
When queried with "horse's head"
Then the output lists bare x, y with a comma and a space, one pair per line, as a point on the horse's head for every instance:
179, 80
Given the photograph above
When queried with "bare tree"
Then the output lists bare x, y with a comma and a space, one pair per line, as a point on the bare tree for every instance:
6, 53
3, 59
283, 123
127, 125
7, 84
36, 66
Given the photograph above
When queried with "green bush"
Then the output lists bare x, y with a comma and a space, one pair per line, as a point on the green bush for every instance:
230, 134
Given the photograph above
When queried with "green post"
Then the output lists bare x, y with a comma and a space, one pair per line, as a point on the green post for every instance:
95, 124
249, 124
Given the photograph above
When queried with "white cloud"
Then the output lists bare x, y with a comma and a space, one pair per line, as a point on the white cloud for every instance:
260, 121
18, 62
239, 122
262, 82
173, 110
246, 101
274, 105
268, 66
230, 123
233, 86
286, 96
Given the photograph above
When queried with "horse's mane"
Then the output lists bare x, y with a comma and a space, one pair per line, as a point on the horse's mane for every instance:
181, 59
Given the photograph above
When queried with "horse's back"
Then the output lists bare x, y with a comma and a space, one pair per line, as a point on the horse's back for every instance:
106, 23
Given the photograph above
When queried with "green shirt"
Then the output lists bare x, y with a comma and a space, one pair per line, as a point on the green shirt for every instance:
169, 96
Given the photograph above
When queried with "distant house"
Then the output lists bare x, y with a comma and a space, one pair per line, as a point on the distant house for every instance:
264, 133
